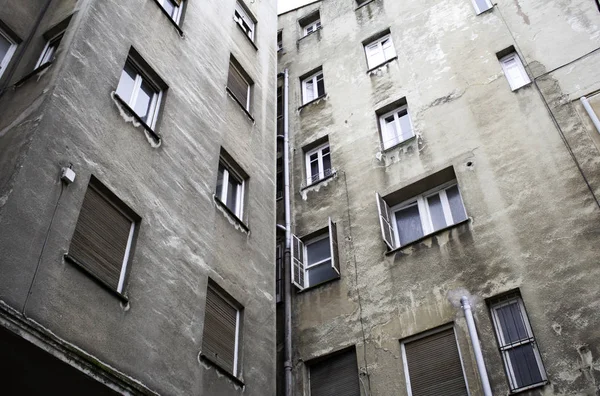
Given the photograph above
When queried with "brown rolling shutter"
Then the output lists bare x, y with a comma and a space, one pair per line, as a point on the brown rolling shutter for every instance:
434, 366
238, 85
220, 322
100, 238
335, 376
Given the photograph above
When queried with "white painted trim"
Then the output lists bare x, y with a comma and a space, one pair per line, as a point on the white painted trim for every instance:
244, 19
380, 50
126, 258
520, 68
313, 265
320, 166
478, 10
155, 101
384, 127
239, 198
237, 342
316, 25
9, 53
314, 80
49, 50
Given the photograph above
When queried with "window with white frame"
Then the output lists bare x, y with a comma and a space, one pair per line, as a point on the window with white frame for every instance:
173, 8
517, 344
279, 40
514, 71
7, 50
313, 87
310, 23
49, 50
422, 215
315, 260
481, 5
380, 51
222, 327
230, 187
318, 164
396, 127
243, 19
239, 84
312, 27
139, 93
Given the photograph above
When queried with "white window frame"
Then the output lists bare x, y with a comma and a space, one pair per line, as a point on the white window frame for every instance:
156, 97
312, 27
279, 42
521, 69
379, 44
506, 347
478, 10
228, 300
314, 79
383, 125
310, 179
242, 18
178, 9
227, 169
424, 213
308, 266
9, 54
47, 54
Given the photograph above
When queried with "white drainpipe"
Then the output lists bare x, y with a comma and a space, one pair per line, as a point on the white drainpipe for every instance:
485, 382
590, 112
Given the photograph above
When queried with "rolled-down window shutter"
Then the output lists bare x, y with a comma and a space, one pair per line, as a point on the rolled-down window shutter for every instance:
220, 331
335, 261
387, 230
238, 85
101, 238
434, 366
297, 262
335, 376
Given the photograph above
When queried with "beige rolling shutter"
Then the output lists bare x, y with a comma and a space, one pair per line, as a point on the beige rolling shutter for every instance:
335, 376
297, 262
387, 231
333, 243
220, 327
434, 366
238, 85
100, 238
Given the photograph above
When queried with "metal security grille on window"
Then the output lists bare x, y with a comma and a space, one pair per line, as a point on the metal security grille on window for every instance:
517, 344
396, 127
239, 87
335, 376
380, 51
140, 94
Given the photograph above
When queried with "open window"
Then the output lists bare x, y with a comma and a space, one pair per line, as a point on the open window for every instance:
244, 20
395, 124
315, 258
419, 209
313, 86
173, 8
8, 45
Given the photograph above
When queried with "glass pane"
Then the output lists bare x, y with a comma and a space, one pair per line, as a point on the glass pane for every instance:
309, 89
321, 273
389, 51
409, 224
143, 101
220, 181
326, 163
524, 365
437, 212
4, 46
320, 86
125, 88
390, 133
456, 206
482, 5
318, 251
314, 170
233, 189
405, 125
169, 7
318, 24
48, 55
512, 323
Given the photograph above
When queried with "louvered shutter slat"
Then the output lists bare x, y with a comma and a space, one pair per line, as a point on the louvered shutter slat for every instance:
220, 322
237, 84
335, 376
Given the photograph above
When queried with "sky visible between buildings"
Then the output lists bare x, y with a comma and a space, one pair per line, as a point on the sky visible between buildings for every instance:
286, 5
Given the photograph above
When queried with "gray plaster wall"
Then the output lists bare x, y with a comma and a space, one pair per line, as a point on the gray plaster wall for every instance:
183, 237
533, 222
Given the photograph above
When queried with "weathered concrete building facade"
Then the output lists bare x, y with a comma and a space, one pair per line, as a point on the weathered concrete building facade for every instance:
443, 161
137, 196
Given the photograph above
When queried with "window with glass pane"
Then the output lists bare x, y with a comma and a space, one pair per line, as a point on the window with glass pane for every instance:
514, 71
318, 164
312, 27
242, 18
428, 213
380, 51
230, 189
517, 344
396, 127
313, 87
318, 261
173, 8
482, 5
49, 50
7, 49
139, 93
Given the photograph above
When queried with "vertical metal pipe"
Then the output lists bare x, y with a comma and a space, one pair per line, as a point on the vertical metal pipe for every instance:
591, 112
485, 382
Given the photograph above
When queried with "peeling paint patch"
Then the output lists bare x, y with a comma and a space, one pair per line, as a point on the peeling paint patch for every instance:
131, 119
219, 374
316, 187
521, 13
557, 328
232, 221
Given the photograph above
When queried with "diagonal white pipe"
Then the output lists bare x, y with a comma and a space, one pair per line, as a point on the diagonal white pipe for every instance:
591, 112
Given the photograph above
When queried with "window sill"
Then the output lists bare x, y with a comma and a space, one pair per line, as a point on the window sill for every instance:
528, 388
312, 101
333, 174
231, 214
102, 283
309, 288
371, 70
417, 241
179, 30
33, 73
222, 370
240, 104
310, 34
246, 36
364, 4
132, 113
395, 146
529, 84
486, 11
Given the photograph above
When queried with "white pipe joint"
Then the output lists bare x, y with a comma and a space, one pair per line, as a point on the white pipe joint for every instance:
485, 382
591, 112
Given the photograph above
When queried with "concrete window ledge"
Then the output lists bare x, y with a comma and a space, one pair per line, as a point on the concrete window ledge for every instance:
248, 114
81, 267
246, 36
310, 34
333, 174
417, 241
33, 73
397, 146
529, 388
239, 221
157, 138
324, 96
222, 370
373, 69
364, 4
318, 285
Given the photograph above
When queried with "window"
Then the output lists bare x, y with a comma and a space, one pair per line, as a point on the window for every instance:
313, 87
231, 183
279, 40
221, 335
141, 94
317, 260
239, 84
517, 344
49, 50
432, 364
362, 2
380, 51
514, 71
103, 240
310, 23
243, 19
336, 374
318, 164
481, 5
7, 50
173, 8
396, 127
313, 27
